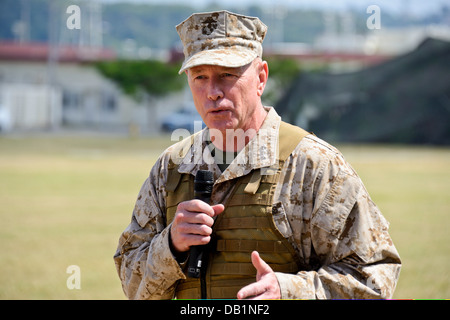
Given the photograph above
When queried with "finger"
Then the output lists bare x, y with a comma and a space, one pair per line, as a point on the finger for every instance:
196, 205
199, 219
188, 234
182, 241
202, 218
195, 218
260, 265
251, 291
198, 229
186, 241
218, 209
193, 223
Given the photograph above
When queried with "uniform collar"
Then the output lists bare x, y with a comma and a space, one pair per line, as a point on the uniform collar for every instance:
260, 152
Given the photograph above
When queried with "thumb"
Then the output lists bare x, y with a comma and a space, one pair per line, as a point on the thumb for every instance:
260, 265
218, 209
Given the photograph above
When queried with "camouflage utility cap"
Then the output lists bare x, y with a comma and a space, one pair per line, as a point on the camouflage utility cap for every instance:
220, 38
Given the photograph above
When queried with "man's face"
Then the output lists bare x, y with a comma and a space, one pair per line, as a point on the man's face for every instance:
226, 98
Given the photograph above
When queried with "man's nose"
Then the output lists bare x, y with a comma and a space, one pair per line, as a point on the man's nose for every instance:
214, 91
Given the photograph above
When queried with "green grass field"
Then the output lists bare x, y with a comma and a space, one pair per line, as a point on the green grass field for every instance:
65, 201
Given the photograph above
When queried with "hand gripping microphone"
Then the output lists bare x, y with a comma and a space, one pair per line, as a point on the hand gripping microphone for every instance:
203, 185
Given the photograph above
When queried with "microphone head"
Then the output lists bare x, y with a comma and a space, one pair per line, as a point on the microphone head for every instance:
204, 175
203, 184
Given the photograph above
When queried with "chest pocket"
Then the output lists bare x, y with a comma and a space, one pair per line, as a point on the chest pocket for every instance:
179, 188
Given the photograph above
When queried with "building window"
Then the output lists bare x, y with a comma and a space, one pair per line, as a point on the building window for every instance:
71, 100
109, 102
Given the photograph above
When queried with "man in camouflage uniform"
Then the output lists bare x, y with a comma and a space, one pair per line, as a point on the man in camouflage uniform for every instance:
288, 218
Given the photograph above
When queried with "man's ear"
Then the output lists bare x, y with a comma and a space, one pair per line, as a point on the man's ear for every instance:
263, 75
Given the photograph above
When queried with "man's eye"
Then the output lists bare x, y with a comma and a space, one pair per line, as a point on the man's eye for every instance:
200, 77
225, 75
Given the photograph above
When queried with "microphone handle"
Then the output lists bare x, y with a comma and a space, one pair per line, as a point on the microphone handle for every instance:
195, 261
196, 252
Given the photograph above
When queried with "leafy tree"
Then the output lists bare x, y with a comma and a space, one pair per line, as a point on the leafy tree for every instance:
282, 72
154, 77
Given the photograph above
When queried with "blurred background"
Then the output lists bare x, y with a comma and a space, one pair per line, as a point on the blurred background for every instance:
90, 94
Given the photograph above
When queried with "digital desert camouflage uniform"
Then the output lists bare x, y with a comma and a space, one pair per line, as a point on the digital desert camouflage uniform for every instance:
335, 228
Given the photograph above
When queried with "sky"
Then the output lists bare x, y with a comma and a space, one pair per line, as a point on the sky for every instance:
414, 7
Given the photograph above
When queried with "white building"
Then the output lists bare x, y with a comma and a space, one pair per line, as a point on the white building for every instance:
36, 93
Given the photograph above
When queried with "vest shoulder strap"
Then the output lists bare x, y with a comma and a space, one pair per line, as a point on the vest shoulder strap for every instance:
289, 137
177, 155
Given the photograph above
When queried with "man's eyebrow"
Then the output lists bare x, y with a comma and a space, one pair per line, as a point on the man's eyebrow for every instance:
235, 70
196, 71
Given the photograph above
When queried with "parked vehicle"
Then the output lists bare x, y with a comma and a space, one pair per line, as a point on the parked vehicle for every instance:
185, 118
5, 120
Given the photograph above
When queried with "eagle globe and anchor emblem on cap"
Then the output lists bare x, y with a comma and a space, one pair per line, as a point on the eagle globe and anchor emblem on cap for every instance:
210, 24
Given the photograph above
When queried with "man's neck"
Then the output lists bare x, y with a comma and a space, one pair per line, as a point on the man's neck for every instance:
234, 140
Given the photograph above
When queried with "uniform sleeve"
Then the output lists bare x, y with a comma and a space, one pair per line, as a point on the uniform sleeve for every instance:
349, 239
146, 267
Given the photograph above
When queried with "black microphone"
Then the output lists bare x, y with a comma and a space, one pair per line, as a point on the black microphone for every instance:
203, 184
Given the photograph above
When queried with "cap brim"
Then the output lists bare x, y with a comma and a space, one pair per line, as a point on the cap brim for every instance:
230, 58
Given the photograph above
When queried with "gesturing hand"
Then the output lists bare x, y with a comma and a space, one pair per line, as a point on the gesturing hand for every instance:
192, 224
266, 285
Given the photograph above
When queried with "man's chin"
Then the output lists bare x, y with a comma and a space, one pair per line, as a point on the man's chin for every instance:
222, 126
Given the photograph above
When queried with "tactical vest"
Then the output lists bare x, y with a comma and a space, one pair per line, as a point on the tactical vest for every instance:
247, 224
